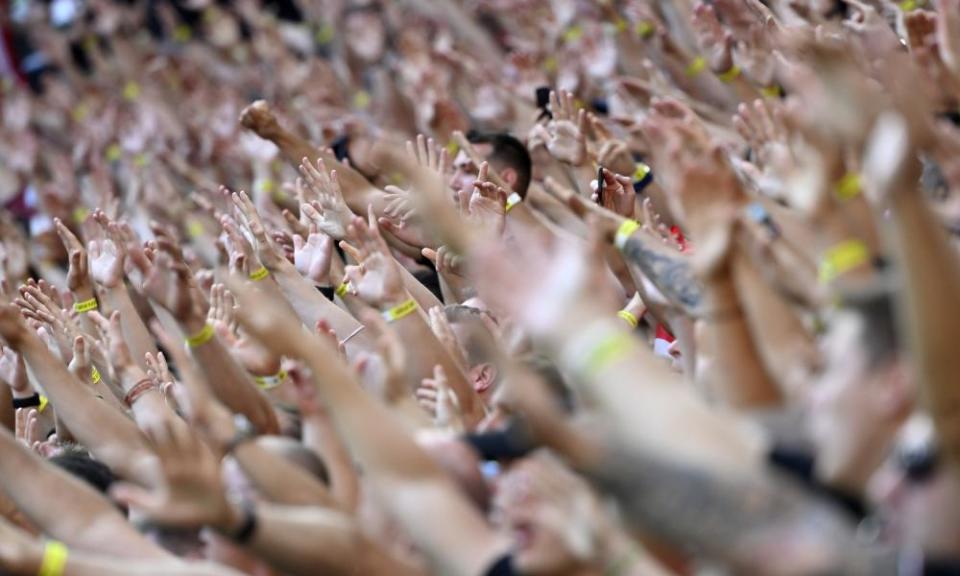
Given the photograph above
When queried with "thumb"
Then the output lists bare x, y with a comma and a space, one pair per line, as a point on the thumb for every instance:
430, 254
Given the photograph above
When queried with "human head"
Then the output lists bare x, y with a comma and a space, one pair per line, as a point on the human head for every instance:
365, 31
533, 505
78, 463
473, 336
507, 156
862, 395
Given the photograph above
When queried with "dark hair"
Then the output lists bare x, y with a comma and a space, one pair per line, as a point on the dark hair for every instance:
879, 331
77, 462
508, 152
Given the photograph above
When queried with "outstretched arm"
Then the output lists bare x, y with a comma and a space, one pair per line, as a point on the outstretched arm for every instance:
109, 435
420, 494
67, 508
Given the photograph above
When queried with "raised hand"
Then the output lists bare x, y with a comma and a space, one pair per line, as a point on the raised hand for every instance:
376, 278
267, 252
107, 252
714, 41
618, 195
185, 489
486, 208
168, 284
428, 155
329, 212
446, 260
78, 274
439, 401
313, 256
259, 118
567, 140
249, 353
13, 371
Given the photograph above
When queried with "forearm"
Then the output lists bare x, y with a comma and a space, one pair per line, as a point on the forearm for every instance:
357, 191
644, 400
787, 350
65, 507
931, 282
135, 332
424, 297
320, 436
229, 382
311, 306
109, 435
417, 491
279, 480
739, 377
307, 541
739, 519
669, 272
427, 353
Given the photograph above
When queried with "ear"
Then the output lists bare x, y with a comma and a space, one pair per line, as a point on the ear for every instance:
509, 176
483, 377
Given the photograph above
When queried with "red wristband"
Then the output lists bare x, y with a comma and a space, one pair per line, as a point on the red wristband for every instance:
138, 390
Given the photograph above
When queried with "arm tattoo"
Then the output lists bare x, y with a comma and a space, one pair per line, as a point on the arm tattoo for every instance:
765, 525
670, 274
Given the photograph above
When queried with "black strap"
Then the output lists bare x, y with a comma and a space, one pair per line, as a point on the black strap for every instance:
28, 402
248, 528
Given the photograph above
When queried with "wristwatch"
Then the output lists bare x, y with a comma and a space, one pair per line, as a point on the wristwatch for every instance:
243, 430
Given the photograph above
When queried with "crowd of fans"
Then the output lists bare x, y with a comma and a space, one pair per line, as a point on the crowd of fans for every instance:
480, 287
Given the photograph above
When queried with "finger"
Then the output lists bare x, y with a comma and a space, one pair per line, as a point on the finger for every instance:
351, 251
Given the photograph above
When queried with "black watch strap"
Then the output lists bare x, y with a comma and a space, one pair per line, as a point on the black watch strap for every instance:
246, 531
28, 402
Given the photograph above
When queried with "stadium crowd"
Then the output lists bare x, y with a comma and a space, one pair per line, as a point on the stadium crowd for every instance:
480, 287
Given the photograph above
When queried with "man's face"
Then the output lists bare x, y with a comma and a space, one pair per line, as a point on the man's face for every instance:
844, 418
366, 35
538, 547
465, 169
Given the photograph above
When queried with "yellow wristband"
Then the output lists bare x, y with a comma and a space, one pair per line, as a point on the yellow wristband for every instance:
606, 351
513, 200
773, 91
95, 375
849, 186
629, 318
644, 29
842, 258
270, 382
730, 75
44, 402
342, 289
624, 233
85, 306
54, 559
698, 65
259, 274
201, 337
400, 311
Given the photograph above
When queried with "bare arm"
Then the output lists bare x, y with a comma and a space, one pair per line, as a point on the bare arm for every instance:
420, 493
109, 435
65, 507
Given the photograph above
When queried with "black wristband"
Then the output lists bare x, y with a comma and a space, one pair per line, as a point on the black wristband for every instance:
28, 402
249, 527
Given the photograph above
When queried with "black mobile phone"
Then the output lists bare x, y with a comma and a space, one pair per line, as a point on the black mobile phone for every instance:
600, 185
543, 102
